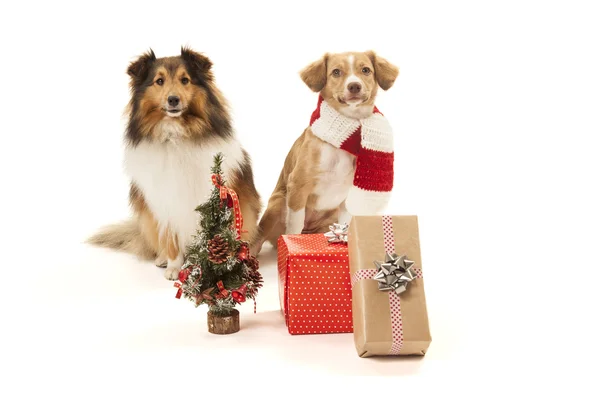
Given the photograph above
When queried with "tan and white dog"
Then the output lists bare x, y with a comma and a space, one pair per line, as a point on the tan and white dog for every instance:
342, 164
178, 119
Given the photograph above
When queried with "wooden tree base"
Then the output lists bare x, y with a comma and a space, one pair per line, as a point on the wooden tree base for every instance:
224, 325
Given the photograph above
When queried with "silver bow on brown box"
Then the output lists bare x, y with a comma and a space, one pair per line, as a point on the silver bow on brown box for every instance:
395, 273
338, 233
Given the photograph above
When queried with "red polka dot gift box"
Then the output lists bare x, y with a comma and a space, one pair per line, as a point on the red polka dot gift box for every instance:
388, 293
314, 284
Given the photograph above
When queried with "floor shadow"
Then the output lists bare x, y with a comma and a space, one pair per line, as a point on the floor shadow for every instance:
325, 353
265, 333
336, 354
265, 320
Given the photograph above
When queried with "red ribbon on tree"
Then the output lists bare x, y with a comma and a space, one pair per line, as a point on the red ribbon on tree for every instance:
232, 202
223, 292
179, 291
183, 275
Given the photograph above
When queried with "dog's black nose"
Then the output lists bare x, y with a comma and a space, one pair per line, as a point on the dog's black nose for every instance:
173, 101
354, 87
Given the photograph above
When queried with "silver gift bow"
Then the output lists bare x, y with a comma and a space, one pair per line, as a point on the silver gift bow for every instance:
395, 273
338, 233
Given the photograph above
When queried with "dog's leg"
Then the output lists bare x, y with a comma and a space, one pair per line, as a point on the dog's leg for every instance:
149, 228
147, 224
174, 266
174, 255
161, 260
252, 235
278, 229
271, 223
297, 197
295, 220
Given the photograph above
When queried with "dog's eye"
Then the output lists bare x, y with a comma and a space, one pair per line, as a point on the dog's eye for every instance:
366, 70
160, 81
185, 81
336, 72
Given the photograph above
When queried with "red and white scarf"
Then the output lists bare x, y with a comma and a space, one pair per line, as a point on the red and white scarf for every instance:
371, 141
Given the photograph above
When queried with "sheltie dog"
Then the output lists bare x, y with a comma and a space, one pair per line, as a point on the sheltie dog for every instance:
177, 121
319, 183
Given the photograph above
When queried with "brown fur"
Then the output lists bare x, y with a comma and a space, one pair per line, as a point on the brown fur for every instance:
302, 166
294, 189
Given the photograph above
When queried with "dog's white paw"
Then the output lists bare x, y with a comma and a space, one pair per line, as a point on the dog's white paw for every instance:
173, 268
295, 222
172, 273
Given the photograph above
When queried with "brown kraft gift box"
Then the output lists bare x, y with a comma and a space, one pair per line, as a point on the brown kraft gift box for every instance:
386, 323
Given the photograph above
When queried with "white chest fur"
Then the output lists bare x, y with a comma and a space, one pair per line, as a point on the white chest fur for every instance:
175, 178
335, 178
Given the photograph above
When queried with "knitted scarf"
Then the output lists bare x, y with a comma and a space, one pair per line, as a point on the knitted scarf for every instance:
371, 141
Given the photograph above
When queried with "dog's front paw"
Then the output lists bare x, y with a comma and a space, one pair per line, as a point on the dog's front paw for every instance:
173, 268
172, 273
295, 222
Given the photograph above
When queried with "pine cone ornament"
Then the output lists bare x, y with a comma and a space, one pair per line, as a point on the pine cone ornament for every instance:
252, 263
253, 275
218, 250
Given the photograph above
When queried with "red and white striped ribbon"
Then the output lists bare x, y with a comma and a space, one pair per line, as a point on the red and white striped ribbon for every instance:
224, 192
395, 311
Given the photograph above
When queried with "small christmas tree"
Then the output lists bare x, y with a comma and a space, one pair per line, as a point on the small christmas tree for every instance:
219, 270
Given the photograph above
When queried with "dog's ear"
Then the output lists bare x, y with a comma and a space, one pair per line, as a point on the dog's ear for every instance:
385, 72
196, 62
315, 74
138, 70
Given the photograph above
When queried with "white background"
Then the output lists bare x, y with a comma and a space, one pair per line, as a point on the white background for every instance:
496, 115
